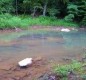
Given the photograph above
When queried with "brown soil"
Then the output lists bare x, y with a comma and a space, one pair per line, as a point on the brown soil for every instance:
11, 71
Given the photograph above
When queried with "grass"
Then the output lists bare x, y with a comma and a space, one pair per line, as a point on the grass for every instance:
75, 66
8, 21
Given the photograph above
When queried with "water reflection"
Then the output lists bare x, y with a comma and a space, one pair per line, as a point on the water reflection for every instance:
51, 43
71, 39
75, 39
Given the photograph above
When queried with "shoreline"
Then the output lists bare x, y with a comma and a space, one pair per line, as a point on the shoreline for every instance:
55, 28
40, 28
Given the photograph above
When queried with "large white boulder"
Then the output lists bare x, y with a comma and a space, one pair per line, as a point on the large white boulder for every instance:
25, 62
65, 30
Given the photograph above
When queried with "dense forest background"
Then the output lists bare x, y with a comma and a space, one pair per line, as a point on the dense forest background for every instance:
69, 10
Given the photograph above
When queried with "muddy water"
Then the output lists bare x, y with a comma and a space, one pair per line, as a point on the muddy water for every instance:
52, 45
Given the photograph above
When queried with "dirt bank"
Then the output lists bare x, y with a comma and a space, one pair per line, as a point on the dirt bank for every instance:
11, 71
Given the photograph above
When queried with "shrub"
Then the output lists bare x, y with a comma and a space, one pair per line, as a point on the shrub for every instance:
8, 21
69, 17
6, 16
83, 22
52, 12
64, 69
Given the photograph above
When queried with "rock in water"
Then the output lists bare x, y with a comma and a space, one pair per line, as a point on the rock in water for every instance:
65, 30
25, 62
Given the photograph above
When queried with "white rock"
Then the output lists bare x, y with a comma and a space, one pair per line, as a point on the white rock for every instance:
25, 62
65, 30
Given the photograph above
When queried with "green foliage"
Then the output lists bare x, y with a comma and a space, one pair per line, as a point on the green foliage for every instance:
81, 8
6, 6
82, 12
69, 17
78, 11
83, 22
49, 21
72, 12
8, 21
72, 9
64, 69
52, 12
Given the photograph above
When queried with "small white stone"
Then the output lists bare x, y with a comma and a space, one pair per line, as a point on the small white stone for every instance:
25, 62
65, 30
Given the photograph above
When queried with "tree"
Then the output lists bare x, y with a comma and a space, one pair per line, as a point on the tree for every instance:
6, 6
16, 7
45, 7
32, 4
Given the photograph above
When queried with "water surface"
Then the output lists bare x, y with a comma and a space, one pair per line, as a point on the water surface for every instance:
51, 44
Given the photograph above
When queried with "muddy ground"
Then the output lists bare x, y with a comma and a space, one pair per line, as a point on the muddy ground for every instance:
11, 71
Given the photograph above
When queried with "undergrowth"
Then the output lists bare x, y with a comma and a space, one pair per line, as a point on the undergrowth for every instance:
75, 66
8, 21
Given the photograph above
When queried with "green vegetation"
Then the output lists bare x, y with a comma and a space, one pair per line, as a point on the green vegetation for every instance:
9, 21
75, 66
42, 12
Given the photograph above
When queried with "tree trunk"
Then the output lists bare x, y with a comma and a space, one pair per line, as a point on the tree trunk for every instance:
34, 12
45, 8
24, 11
16, 7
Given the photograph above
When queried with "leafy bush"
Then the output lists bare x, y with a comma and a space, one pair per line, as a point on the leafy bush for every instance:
72, 9
69, 17
64, 69
52, 12
6, 6
6, 15
8, 21
83, 22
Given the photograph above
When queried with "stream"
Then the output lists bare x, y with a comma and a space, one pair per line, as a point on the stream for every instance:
51, 44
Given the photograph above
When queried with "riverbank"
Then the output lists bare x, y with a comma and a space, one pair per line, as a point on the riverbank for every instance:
42, 28
41, 68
